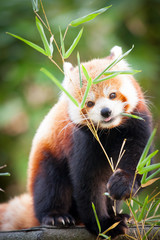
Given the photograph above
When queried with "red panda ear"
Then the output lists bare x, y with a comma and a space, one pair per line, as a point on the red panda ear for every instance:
115, 52
68, 67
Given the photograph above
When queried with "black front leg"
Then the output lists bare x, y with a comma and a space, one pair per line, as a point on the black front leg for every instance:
89, 173
52, 192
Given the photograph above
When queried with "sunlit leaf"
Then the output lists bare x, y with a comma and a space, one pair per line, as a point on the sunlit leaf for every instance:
141, 215
148, 158
74, 44
106, 78
152, 175
111, 227
117, 60
104, 236
149, 168
132, 116
79, 69
96, 217
88, 17
59, 85
89, 84
5, 174
147, 147
35, 5
62, 43
147, 233
43, 37
130, 72
138, 202
36, 47
149, 182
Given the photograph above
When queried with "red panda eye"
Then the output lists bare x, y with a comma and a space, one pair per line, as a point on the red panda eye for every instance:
112, 95
90, 104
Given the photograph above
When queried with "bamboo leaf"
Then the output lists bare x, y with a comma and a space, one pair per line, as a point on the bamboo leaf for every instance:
148, 158
149, 182
149, 168
147, 233
47, 73
79, 69
85, 73
143, 209
36, 47
111, 227
5, 174
138, 202
96, 217
106, 78
133, 212
131, 72
147, 147
43, 37
132, 116
74, 44
62, 43
35, 5
104, 236
89, 84
88, 17
153, 175
113, 63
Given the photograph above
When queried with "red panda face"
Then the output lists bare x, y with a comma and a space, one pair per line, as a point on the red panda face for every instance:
106, 100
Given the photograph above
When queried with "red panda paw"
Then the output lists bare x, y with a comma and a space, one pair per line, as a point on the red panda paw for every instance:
119, 185
58, 220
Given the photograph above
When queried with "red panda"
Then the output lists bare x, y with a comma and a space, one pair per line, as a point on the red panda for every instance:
68, 169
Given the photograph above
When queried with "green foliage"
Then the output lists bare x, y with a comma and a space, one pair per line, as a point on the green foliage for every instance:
47, 73
88, 17
74, 44
48, 47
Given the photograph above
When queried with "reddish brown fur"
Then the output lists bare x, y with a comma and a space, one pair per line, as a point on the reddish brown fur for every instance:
59, 147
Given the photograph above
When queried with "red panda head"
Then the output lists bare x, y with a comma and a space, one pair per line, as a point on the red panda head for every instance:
106, 100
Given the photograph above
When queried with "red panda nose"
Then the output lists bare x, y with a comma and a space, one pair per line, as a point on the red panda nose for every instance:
105, 112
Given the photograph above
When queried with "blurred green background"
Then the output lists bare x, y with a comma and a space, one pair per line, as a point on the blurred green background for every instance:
26, 95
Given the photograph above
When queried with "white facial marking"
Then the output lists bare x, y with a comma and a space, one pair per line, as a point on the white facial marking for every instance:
128, 90
116, 108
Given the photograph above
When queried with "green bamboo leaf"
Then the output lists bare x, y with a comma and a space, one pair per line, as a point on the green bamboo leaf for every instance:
96, 217
47, 73
5, 174
132, 116
148, 158
133, 212
74, 44
153, 175
62, 43
138, 202
149, 168
43, 37
89, 84
147, 233
79, 69
106, 78
88, 17
104, 236
117, 60
35, 5
143, 209
85, 72
149, 182
131, 72
147, 147
36, 47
